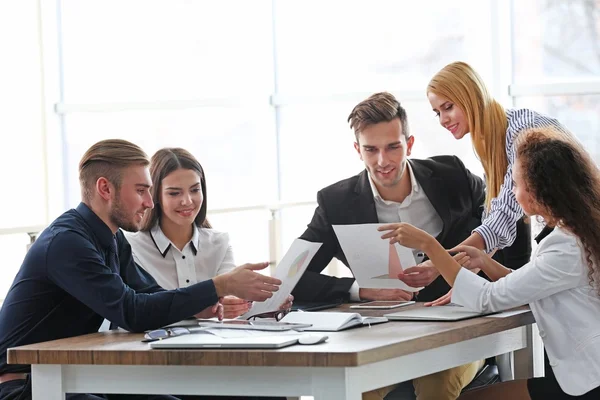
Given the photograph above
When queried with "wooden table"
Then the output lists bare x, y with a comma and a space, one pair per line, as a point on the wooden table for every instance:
350, 363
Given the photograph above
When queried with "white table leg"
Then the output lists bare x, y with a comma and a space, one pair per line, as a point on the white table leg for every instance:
335, 384
47, 382
505, 364
529, 362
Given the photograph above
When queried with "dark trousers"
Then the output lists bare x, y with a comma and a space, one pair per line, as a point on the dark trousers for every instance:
20, 389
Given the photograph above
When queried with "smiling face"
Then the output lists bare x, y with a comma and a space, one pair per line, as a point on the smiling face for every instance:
384, 148
450, 115
132, 199
181, 197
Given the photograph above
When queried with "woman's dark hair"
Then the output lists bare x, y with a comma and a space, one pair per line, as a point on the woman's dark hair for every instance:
564, 180
164, 162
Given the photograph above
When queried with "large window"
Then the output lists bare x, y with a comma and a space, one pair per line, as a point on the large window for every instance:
161, 50
22, 154
579, 113
557, 63
260, 95
344, 46
260, 92
555, 39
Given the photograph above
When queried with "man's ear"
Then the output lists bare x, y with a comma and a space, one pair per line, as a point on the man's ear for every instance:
409, 144
105, 189
357, 148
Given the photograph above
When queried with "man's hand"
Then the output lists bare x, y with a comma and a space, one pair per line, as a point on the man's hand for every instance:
234, 307
445, 299
211, 312
421, 275
244, 283
384, 294
287, 304
425, 273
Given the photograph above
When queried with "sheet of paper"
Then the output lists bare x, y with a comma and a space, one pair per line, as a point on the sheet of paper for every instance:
289, 270
374, 262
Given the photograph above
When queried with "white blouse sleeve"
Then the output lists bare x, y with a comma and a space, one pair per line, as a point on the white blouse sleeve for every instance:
557, 267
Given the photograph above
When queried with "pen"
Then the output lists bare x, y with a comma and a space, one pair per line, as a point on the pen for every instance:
422, 254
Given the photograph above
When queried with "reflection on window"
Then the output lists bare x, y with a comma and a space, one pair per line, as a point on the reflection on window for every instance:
580, 114
556, 38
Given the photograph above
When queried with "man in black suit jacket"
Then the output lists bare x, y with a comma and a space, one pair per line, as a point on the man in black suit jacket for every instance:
438, 195
454, 192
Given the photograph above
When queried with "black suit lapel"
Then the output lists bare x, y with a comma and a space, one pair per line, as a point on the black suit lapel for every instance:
364, 203
432, 186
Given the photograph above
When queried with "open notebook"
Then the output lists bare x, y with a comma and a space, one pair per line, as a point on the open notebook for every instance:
331, 321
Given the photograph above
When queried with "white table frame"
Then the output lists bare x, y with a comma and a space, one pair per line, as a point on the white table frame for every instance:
52, 381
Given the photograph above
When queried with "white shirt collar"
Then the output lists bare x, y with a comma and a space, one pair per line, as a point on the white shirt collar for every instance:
413, 182
163, 244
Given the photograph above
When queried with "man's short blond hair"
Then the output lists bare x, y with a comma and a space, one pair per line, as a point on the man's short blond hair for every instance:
107, 159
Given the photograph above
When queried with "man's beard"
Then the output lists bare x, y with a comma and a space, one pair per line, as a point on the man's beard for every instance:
119, 217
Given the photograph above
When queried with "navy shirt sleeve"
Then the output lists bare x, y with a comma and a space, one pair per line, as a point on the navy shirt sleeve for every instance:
75, 265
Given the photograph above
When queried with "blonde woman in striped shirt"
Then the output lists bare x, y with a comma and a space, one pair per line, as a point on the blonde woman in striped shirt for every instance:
463, 105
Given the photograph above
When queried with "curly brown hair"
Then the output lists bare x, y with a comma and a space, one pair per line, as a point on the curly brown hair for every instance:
564, 179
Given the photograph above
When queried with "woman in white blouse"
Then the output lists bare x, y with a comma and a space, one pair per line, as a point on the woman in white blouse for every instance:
462, 103
176, 244
555, 178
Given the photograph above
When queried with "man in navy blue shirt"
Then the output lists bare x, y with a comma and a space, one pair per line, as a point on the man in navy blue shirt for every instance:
81, 270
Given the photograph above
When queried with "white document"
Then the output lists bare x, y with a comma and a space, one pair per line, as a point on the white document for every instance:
289, 270
374, 262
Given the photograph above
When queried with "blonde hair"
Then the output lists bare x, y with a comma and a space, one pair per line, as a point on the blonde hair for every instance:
460, 84
107, 159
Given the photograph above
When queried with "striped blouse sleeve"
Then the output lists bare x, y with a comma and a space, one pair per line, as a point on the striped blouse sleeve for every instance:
499, 226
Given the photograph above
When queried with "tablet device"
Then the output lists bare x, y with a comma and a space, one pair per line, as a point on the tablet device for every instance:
436, 313
315, 306
382, 305
258, 325
202, 341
